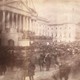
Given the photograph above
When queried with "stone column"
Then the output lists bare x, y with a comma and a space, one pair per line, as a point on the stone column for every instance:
16, 21
24, 23
19, 23
8, 20
3, 21
27, 20
38, 28
12, 19
30, 24
35, 26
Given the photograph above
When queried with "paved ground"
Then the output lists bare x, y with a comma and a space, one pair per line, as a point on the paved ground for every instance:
43, 75
39, 75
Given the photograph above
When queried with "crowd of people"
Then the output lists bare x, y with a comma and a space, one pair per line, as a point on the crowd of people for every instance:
45, 60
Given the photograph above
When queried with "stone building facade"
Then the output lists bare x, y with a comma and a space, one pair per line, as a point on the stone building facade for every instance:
18, 21
64, 33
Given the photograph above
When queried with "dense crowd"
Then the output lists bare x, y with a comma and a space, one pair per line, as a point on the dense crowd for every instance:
61, 55
58, 55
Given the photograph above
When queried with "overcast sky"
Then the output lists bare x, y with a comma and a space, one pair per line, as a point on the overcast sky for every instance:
59, 11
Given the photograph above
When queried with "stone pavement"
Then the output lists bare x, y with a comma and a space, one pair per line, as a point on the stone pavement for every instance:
16, 75
39, 75
43, 75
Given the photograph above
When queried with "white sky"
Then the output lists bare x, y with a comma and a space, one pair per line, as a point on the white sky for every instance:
59, 11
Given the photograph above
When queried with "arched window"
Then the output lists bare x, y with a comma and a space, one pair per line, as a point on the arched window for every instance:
10, 42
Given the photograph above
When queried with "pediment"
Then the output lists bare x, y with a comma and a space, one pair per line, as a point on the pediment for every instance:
18, 4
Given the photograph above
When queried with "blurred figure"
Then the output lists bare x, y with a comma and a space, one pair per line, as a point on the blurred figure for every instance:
31, 70
48, 61
64, 71
2, 69
41, 61
55, 58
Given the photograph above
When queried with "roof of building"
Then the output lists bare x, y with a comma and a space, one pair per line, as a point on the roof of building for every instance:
18, 5
42, 19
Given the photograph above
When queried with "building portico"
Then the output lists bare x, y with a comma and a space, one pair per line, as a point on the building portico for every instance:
14, 21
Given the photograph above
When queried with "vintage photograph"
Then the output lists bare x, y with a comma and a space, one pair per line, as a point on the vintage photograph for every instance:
39, 39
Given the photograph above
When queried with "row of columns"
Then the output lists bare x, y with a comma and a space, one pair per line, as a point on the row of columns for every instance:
18, 21
23, 23
42, 29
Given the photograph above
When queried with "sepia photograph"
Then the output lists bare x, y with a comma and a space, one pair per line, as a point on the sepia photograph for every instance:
39, 39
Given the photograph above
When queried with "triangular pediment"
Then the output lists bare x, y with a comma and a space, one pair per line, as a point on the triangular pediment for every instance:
18, 4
